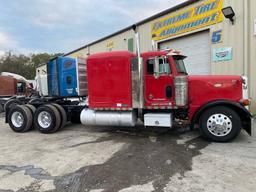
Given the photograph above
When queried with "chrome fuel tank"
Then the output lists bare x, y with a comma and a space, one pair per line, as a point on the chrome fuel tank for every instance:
108, 118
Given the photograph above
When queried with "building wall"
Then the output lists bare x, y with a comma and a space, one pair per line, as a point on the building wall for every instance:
81, 53
252, 52
232, 37
240, 37
119, 42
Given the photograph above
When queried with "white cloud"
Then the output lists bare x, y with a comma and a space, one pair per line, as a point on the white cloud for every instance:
7, 42
63, 25
1, 53
150, 7
51, 14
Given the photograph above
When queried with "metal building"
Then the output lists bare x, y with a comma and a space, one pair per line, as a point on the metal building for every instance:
216, 41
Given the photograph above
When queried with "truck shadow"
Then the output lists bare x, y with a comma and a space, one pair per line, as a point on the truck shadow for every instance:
148, 156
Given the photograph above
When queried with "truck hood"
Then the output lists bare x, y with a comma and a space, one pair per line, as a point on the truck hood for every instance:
206, 88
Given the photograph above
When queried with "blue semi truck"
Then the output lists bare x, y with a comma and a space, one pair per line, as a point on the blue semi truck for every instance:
66, 77
66, 84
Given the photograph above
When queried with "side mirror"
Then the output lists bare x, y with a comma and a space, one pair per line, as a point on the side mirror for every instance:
156, 68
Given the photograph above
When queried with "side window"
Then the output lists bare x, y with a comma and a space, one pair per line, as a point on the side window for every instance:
21, 87
164, 67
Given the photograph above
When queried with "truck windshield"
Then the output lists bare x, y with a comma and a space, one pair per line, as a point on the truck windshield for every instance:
180, 66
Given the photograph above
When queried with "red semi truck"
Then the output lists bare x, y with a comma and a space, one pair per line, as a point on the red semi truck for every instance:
153, 87
158, 91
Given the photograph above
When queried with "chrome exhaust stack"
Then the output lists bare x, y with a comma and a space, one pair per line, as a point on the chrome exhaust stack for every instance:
181, 91
140, 68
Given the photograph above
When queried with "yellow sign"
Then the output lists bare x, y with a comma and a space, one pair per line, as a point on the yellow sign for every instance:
202, 15
110, 44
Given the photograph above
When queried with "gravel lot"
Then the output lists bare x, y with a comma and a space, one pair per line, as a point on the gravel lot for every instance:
99, 159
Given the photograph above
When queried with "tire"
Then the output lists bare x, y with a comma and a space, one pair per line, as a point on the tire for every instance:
33, 110
1, 108
47, 112
62, 113
220, 124
16, 115
10, 103
31, 107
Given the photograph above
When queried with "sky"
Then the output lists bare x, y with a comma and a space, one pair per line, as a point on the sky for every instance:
60, 26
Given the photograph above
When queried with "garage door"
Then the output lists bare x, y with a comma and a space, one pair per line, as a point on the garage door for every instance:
197, 49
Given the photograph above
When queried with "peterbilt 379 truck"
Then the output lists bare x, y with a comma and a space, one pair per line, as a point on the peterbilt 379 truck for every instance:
157, 91
122, 88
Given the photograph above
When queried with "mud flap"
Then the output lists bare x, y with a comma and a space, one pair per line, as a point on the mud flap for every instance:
247, 126
6, 115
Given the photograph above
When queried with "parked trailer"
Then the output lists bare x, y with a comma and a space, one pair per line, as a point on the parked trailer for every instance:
123, 88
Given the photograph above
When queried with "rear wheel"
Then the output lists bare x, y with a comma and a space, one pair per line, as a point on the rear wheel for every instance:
220, 124
10, 103
62, 113
20, 118
31, 107
47, 119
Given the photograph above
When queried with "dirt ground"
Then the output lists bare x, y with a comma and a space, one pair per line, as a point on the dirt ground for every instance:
97, 159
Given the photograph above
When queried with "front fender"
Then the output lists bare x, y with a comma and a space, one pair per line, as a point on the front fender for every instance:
243, 113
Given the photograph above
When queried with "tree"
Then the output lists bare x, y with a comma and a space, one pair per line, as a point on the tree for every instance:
22, 64
41, 58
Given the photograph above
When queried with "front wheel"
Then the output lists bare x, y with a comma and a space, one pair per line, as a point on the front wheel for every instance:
220, 124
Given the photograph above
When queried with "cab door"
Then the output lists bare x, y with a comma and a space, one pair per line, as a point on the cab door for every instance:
159, 83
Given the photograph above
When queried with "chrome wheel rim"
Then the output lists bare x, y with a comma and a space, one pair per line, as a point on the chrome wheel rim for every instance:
17, 119
219, 125
44, 119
